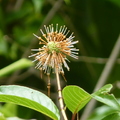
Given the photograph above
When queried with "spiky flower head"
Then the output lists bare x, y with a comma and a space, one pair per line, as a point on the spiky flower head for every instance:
56, 46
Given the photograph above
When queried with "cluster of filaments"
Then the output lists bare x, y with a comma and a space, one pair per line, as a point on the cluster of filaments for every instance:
56, 47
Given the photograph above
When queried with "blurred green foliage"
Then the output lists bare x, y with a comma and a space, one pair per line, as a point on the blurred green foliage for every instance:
95, 23
102, 111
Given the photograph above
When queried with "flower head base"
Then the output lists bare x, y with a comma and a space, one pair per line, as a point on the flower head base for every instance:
53, 46
56, 47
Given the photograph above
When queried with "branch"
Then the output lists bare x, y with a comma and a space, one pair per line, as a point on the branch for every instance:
96, 60
18, 4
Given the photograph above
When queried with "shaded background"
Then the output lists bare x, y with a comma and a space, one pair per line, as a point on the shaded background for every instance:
95, 23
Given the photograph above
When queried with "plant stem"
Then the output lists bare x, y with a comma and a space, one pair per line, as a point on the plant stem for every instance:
48, 85
73, 116
20, 64
60, 95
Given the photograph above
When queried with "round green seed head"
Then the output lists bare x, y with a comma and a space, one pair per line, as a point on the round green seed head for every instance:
53, 46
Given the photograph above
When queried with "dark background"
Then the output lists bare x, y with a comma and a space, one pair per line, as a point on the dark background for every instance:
95, 23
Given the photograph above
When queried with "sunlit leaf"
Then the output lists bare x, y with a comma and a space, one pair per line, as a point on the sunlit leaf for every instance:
101, 112
15, 118
75, 98
2, 116
29, 98
9, 109
102, 96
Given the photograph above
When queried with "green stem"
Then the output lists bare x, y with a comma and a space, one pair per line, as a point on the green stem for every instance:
20, 64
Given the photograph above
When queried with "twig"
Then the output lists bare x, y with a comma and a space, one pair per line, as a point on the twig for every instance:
48, 85
103, 78
96, 60
60, 95
18, 4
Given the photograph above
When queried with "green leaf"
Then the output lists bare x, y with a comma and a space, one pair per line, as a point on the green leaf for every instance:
105, 113
20, 64
105, 89
29, 98
9, 118
9, 109
116, 2
100, 112
15, 118
102, 96
75, 98
2, 116
113, 116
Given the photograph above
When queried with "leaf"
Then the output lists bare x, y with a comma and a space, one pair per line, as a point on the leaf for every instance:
75, 98
2, 116
116, 2
15, 118
101, 112
29, 98
105, 89
113, 116
102, 96
9, 109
